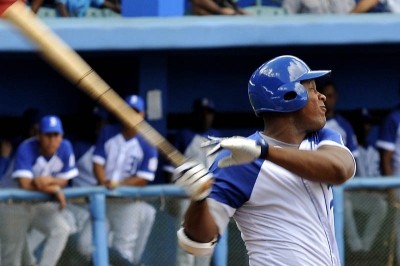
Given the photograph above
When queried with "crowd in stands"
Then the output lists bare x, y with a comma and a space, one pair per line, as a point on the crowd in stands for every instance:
79, 8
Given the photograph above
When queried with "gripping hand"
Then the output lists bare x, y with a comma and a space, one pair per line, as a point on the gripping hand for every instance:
194, 178
243, 150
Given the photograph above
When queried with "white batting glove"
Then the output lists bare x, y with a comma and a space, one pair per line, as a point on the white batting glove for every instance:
243, 150
194, 178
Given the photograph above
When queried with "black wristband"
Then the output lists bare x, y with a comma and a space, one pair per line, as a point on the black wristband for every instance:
264, 149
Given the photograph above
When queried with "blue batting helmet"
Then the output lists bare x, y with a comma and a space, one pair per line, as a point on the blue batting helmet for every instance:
275, 85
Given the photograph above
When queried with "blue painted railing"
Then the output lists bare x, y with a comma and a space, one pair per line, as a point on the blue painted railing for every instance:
97, 208
97, 197
356, 183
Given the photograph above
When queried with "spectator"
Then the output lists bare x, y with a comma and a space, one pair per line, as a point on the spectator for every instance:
78, 8
123, 158
318, 7
389, 150
44, 164
371, 203
337, 122
215, 7
188, 141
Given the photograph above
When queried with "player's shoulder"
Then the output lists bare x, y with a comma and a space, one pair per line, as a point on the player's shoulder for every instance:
111, 130
394, 115
65, 145
28, 144
325, 134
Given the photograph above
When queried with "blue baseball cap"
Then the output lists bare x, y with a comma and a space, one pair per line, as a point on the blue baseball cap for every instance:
51, 124
135, 102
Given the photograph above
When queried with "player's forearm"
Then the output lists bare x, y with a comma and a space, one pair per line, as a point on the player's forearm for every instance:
364, 6
386, 162
207, 5
99, 173
329, 165
134, 181
62, 9
36, 4
199, 224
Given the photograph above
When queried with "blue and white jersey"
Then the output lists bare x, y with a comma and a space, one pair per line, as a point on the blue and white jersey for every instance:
83, 154
389, 138
29, 163
123, 158
368, 162
284, 219
188, 143
344, 128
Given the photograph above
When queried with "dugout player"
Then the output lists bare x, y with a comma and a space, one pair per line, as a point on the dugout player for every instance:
388, 144
123, 158
44, 163
276, 183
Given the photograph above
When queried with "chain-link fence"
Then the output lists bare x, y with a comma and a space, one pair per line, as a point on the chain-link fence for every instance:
159, 215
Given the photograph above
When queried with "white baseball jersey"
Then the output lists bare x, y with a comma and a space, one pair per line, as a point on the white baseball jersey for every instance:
125, 158
29, 163
83, 154
284, 219
389, 138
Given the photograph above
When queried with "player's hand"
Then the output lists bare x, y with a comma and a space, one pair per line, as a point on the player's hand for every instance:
243, 150
194, 178
5, 148
42, 182
61, 198
111, 184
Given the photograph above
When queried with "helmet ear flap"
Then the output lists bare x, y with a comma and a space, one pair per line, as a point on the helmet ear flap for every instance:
291, 95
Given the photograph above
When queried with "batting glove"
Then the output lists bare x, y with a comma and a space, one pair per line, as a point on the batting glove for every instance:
243, 150
194, 178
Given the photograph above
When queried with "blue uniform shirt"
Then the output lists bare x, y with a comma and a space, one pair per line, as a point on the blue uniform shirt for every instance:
29, 163
123, 158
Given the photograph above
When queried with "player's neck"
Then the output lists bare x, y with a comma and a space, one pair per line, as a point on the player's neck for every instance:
128, 133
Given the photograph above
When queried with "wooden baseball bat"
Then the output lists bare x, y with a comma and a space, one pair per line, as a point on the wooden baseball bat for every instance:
67, 62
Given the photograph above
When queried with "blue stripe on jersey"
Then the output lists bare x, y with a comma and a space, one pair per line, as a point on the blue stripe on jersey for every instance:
233, 185
325, 134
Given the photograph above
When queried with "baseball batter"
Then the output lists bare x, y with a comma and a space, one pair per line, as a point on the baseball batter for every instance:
277, 183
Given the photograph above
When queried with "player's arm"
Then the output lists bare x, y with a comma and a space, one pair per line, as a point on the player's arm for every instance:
134, 181
62, 9
199, 225
386, 162
45, 181
364, 6
99, 173
328, 164
36, 4
114, 6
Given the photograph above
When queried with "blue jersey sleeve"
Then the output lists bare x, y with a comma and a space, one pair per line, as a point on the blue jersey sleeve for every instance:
99, 153
234, 185
149, 163
326, 134
389, 128
24, 160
